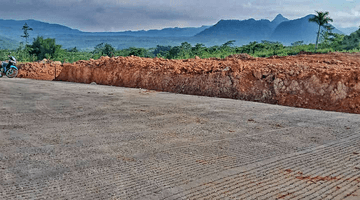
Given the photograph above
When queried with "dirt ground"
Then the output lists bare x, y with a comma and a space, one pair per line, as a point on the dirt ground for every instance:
61, 140
317, 81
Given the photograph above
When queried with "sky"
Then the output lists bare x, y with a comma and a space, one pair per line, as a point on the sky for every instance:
122, 15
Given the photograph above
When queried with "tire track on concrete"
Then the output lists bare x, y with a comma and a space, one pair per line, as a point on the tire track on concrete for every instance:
252, 188
194, 192
309, 172
249, 184
300, 186
305, 155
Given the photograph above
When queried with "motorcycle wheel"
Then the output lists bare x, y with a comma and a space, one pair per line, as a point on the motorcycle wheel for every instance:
11, 73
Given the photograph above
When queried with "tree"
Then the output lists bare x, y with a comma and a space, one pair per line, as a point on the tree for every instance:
251, 47
199, 49
141, 52
326, 36
104, 49
173, 52
336, 41
274, 46
109, 50
298, 43
26, 35
73, 50
229, 43
44, 48
185, 50
161, 50
322, 20
98, 48
226, 47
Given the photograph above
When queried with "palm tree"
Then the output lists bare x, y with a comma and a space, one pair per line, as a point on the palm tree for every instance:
322, 20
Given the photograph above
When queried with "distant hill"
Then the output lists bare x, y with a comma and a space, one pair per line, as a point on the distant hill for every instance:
13, 29
250, 29
349, 30
166, 32
68, 37
300, 29
7, 43
243, 31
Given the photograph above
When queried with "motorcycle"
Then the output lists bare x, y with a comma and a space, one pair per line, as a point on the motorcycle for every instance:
9, 69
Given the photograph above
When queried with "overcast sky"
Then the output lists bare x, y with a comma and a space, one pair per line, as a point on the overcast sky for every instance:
121, 15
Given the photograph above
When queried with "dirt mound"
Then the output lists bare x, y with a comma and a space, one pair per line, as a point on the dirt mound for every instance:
39, 71
317, 81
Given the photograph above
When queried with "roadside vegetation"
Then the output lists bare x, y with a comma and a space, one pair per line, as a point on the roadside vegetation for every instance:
326, 41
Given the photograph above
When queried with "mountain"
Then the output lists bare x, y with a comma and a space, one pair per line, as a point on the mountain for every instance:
6, 43
68, 37
349, 30
300, 29
242, 31
166, 32
13, 29
250, 29
278, 20
280, 29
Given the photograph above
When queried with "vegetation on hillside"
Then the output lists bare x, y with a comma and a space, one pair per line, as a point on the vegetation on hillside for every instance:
47, 48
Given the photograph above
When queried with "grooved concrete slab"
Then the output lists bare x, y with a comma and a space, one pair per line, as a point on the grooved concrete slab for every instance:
63, 140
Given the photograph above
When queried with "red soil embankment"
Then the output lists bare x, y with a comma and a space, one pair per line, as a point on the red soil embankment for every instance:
39, 71
317, 81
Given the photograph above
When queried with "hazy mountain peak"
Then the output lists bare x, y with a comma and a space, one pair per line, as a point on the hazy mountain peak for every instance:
297, 30
278, 19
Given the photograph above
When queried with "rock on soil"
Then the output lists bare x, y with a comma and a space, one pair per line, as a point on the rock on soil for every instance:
317, 81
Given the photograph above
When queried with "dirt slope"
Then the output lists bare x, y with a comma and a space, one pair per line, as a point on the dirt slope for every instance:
317, 81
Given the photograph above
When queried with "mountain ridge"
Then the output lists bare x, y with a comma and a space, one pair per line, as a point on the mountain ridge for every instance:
243, 31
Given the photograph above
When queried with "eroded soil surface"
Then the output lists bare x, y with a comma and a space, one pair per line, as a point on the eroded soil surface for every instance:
317, 81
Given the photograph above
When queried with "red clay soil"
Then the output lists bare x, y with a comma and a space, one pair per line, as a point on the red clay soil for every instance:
39, 71
317, 81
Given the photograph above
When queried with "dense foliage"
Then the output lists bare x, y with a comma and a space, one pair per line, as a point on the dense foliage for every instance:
47, 48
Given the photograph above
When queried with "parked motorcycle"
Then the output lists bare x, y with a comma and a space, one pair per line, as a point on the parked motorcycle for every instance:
9, 69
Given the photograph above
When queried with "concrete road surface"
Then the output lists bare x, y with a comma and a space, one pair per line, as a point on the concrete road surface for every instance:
62, 140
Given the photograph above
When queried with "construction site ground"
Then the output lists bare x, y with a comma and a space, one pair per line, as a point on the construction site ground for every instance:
63, 140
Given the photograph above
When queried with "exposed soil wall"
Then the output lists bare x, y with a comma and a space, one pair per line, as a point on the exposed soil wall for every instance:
317, 81
39, 71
